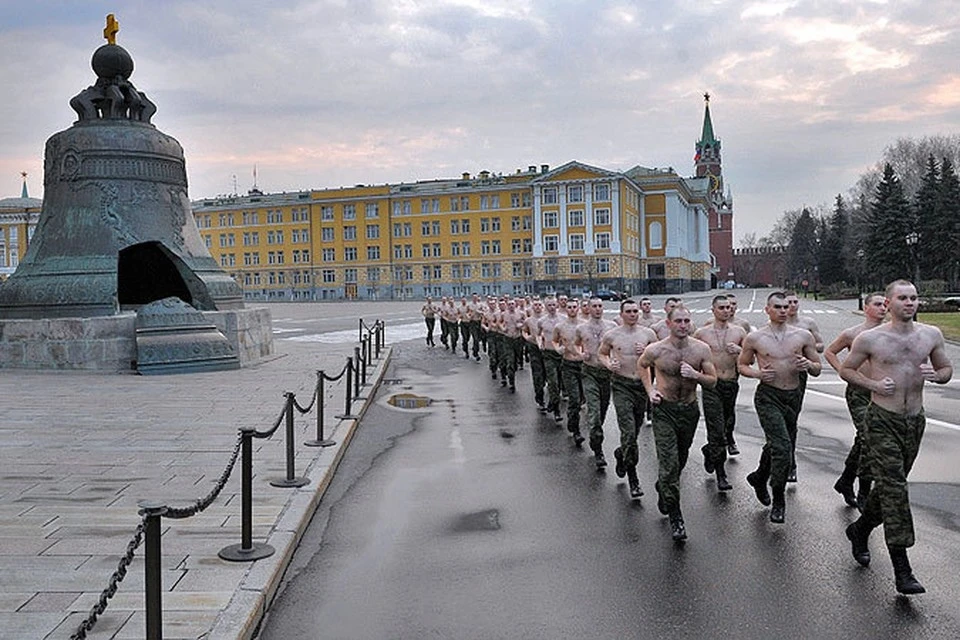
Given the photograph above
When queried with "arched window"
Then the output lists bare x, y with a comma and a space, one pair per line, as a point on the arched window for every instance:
656, 235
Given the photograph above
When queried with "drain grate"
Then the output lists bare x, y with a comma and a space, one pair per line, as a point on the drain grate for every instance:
387, 381
409, 401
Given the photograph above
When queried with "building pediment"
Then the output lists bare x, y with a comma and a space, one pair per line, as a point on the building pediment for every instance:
575, 171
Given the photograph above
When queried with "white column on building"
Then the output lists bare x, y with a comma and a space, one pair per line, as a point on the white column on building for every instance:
615, 213
642, 222
562, 200
588, 247
537, 224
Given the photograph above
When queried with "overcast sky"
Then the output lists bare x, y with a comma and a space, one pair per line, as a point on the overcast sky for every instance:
804, 95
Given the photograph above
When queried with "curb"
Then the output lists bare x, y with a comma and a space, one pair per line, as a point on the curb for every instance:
247, 608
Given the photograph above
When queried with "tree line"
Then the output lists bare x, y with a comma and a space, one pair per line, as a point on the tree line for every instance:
900, 220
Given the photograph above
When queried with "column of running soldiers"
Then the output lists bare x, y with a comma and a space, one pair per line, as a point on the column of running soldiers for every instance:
651, 366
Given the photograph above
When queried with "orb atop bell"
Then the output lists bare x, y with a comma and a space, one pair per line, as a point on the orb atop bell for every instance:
110, 61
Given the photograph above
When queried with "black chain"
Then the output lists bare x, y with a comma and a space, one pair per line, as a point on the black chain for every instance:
296, 404
273, 429
115, 580
178, 513
336, 377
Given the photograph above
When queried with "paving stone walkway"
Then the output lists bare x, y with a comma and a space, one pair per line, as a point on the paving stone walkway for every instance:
79, 451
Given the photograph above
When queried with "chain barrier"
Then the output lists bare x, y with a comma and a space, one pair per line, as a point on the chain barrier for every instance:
313, 400
336, 377
178, 513
97, 610
150, 514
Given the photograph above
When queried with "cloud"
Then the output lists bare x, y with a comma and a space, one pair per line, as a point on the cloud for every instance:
320, 93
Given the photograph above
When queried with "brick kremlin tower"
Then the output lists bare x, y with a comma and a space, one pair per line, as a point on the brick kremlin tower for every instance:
708, 165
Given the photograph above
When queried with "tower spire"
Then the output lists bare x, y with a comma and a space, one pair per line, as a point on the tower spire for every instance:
706, 137
23, 191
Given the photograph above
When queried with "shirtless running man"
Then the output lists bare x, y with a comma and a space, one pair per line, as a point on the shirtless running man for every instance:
511, 341
595, 376
531, 333
564, 342
619, 351
429, 312
681, 363
902, 354
551, 359
720, 402
647, 317
803, 322
855, 466
781, 352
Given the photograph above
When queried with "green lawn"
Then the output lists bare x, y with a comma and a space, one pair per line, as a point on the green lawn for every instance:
949, 323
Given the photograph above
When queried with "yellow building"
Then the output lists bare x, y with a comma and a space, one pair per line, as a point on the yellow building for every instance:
575, 228
18, 220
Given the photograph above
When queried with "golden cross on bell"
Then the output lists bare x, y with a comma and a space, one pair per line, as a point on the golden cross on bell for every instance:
110, 32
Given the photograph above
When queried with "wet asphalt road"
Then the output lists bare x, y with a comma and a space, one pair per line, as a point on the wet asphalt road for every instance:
478, 518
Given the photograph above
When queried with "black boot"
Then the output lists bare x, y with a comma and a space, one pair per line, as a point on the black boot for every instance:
677, 529
634, 482
661, 505
722, 483
759, 487
600, 460
620, 469
779, 508
857, 535
844, 486
907, 584
708, 464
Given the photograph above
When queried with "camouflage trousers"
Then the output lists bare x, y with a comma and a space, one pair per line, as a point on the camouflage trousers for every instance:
454, 334
893, 442
858, 399
465, 333
537, 372
596, 392
720, 414
630, 402
493, 350
507, 360
571, 371
777, 410
674, 425
444, 332
551, 364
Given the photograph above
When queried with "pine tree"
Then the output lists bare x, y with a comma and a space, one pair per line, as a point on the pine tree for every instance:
949, 252
802, 251
833, 268
889, 225
928, 210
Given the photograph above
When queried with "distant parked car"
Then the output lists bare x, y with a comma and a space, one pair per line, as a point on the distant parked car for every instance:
609, 294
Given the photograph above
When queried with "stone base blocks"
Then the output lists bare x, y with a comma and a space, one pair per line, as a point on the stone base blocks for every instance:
108, 344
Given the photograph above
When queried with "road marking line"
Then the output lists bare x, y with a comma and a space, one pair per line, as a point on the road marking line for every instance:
930, 421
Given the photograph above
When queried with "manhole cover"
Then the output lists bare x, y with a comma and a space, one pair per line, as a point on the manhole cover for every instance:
409, 401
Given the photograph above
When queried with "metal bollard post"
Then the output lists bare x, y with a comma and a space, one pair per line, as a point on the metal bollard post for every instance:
379, 337
348, 404
320, 441
247, 550
359, 329
366, 358
358, 358
290, 480
153, 580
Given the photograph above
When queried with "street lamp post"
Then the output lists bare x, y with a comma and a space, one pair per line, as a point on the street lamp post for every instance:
860, 279
913, 238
